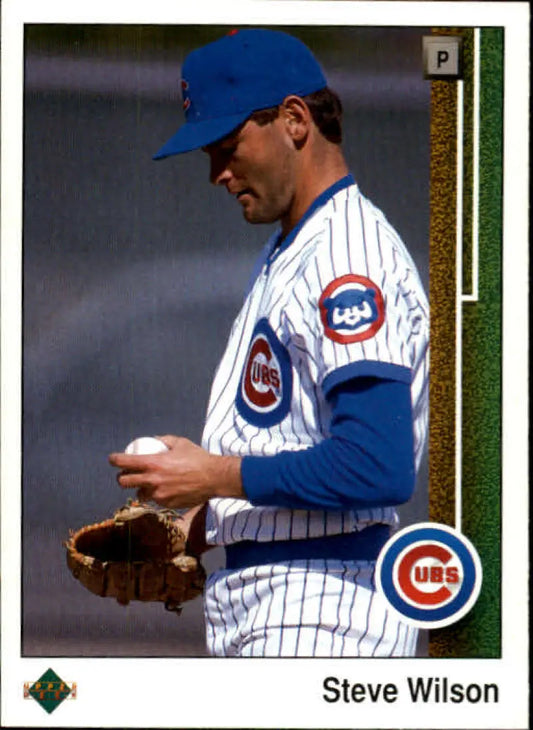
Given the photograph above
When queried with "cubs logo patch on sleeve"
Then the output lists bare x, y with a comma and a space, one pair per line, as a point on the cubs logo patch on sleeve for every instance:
265, 386
352, 309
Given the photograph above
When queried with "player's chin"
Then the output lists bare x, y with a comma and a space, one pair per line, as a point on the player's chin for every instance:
254, 214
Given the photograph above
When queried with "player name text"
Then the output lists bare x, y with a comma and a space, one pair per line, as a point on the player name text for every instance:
418, 689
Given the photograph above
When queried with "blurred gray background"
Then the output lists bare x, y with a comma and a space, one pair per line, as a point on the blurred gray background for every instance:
134, 271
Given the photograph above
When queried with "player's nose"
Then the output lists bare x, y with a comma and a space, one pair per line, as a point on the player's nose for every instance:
219, 175
218, 172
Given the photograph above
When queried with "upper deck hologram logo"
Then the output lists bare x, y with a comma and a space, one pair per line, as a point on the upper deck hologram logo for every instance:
49, 690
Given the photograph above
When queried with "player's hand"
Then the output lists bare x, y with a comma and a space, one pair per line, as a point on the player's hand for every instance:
184, 476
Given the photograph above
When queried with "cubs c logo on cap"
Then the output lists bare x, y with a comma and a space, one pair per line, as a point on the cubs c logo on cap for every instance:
185, 94
352, 309
430, 574
265, 387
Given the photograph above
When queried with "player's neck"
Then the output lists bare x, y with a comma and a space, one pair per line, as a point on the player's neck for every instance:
317, 173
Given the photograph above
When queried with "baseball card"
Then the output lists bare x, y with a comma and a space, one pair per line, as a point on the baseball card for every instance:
264, 383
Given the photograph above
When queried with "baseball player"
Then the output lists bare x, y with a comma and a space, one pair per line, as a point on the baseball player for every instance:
318, 412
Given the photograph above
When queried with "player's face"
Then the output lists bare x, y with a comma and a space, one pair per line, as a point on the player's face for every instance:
256, 165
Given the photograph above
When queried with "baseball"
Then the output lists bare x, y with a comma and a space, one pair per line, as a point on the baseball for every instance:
145, 445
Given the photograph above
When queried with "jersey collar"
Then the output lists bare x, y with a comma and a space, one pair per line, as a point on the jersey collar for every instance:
281, 244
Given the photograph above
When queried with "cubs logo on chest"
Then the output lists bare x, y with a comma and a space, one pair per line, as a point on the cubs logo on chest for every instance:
265, 386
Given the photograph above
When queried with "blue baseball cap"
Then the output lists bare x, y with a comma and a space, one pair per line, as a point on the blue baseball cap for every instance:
227, 80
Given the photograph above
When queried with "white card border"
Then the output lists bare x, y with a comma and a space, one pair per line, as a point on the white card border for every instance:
272, 693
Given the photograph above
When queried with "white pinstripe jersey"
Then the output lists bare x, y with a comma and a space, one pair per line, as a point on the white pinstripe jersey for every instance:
343, 299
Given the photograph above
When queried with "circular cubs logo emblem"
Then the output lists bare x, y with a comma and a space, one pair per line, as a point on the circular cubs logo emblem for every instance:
352, 309
265, 386
430, 574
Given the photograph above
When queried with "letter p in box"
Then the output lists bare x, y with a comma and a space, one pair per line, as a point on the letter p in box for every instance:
442, 56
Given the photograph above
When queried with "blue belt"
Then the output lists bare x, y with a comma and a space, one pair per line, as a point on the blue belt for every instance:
363, 545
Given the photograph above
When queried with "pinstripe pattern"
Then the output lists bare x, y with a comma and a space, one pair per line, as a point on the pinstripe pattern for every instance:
312, 608
302, 608
346, 235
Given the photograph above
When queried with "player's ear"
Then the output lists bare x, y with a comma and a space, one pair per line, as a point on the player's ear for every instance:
297, 118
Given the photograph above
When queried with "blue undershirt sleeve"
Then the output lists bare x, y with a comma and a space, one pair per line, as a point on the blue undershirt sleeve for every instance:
367, 461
